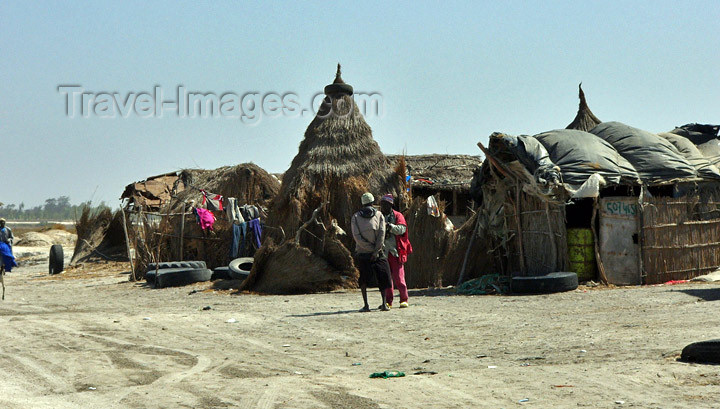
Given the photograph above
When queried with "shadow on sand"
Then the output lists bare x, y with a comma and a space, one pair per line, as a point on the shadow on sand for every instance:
707, 294
321, 313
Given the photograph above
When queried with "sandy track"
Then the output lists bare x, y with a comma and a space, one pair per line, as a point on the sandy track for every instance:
84, 342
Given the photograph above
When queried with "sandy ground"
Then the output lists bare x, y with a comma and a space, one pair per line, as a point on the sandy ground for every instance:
92, 339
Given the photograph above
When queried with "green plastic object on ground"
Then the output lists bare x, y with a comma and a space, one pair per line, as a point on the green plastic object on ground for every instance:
388, 374
581, 251
487, 284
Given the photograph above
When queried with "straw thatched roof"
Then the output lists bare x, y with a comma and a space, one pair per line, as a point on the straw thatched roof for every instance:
440, 172
337, 161
247, 182
585, 120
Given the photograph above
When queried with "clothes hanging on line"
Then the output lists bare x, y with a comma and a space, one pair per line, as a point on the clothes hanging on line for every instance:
212, 201
205, 218
233, 211
237, 245
256, 228
249, 212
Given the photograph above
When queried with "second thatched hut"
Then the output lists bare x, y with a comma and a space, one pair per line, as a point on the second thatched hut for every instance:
337, 161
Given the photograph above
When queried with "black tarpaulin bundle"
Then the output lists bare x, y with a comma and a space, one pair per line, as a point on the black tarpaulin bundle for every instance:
694, 156
581, 154
705, 137
654, 158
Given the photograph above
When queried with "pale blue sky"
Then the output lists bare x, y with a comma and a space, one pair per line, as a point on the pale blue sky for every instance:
450, 73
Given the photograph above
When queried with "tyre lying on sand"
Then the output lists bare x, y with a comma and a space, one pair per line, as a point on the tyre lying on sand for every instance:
155, 268
177, 264
546, 284
221, 273
57, 259
240, 268
703, 352
176, 277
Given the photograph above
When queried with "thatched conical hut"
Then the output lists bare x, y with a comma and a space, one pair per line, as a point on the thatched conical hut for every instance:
585, 120
337, 161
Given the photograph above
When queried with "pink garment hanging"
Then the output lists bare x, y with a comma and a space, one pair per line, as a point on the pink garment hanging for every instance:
205, 218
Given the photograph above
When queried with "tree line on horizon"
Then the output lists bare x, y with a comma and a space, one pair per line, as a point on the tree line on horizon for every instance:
54, 209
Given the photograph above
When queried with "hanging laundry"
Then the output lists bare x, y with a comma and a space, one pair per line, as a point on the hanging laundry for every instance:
237, 246
256, 228
233, 211
432, 207
249, 212
212, 201
205, 218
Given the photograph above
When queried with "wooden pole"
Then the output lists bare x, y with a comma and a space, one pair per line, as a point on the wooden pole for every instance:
127, 243
596, 239
455, 203
553, 239
467, 251
640, 222
182, 230
518, 220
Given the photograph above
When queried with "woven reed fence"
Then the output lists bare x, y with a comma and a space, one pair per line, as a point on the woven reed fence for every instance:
540, 246
681, 238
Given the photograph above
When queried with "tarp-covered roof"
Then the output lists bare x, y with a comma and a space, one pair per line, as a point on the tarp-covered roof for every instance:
621, 154
654, 158
705, 137
580, 154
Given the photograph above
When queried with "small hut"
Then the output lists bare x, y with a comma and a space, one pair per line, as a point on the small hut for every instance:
171, 233
447, 177
337, 161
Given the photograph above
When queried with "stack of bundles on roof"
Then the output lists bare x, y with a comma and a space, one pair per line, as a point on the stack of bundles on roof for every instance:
705, 137
337, 161
704, 167
431, 237
655, 159
581, 154
100, 236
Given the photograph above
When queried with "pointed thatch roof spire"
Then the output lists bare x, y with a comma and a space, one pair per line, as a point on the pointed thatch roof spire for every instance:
338, 78
585, 120
338, 87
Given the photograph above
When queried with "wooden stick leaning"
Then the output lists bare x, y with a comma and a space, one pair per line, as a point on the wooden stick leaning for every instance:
182, 231
467, 251
127, 244
313, 219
